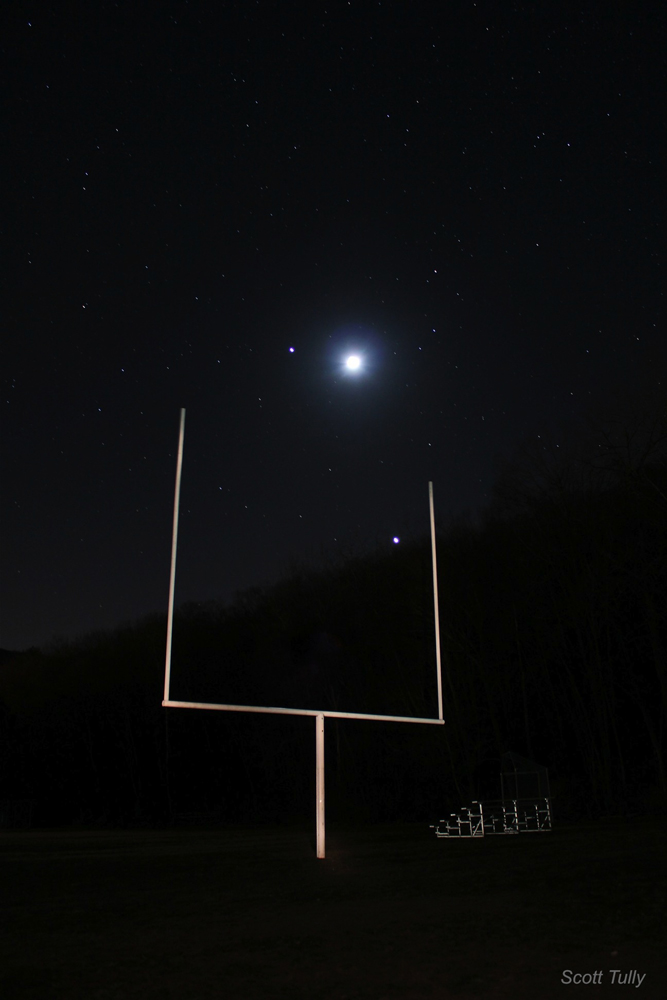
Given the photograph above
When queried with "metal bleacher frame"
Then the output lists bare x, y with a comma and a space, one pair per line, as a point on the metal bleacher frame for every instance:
512, 814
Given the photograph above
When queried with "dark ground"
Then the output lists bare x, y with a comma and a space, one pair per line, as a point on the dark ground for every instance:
391, 913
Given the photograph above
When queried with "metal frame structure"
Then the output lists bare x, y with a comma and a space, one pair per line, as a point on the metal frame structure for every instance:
482, 819
318, 714
524, 806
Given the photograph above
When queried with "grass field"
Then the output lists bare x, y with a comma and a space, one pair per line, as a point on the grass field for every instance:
391, 913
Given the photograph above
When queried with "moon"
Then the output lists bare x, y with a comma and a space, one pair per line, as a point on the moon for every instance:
353, 363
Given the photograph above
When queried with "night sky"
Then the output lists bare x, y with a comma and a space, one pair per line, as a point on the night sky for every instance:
213, 205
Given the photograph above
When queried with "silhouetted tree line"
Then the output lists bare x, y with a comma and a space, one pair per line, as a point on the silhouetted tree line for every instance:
553, 624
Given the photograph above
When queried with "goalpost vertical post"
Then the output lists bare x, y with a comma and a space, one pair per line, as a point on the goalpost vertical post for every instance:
319, 782
435, 599
172, 576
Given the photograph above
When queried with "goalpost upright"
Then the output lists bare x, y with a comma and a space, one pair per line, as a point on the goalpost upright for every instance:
319, 714
172, 572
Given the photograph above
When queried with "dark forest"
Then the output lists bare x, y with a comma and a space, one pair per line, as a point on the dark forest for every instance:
553, 631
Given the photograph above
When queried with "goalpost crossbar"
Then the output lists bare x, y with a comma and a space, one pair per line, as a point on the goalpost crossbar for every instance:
300, 711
